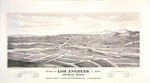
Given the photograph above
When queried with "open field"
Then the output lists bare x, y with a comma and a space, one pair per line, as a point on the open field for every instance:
69, 58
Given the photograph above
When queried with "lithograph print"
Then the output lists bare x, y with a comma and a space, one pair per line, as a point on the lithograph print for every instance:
73, 40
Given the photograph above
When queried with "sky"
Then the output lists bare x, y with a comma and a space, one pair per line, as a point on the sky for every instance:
54, 24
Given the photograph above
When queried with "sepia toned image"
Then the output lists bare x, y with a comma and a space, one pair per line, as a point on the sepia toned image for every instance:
73, 40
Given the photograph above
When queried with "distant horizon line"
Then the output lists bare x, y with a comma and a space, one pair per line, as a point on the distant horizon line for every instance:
96, 32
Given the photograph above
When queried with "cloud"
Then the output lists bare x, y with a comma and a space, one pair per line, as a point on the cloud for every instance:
42, 24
